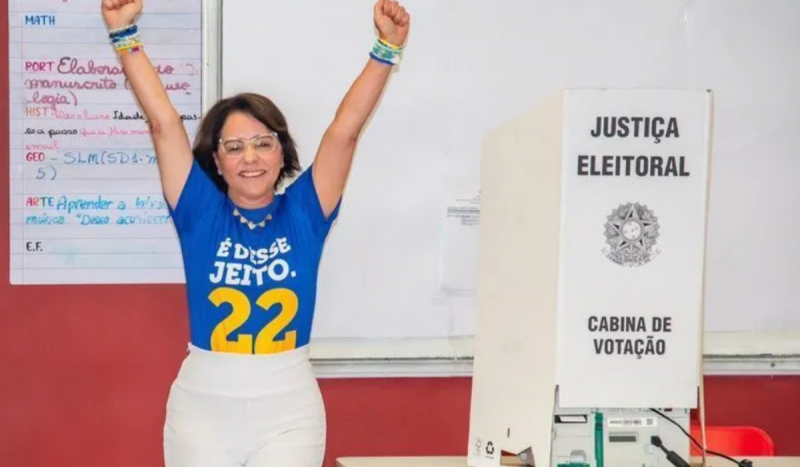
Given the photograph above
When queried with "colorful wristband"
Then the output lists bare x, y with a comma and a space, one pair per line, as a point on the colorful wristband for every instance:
385, 52
126, 39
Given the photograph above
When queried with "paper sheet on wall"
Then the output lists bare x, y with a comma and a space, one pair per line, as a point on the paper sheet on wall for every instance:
86, 201
460, 245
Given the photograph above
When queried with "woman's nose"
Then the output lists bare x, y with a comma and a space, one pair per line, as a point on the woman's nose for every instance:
249, 153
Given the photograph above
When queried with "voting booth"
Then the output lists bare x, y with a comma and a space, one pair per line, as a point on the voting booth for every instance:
590, 285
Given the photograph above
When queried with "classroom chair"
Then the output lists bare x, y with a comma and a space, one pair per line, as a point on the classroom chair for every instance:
734, 441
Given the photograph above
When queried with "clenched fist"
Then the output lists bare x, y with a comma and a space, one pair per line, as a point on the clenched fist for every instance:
120, 13
392, 21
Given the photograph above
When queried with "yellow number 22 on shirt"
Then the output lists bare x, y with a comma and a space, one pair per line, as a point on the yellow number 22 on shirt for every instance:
240, 312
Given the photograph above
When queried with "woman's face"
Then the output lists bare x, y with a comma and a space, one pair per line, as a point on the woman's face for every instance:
249, 158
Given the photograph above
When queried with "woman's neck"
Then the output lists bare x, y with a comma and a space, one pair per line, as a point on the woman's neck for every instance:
245, 202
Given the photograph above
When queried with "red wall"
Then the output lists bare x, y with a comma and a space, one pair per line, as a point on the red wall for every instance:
86, 370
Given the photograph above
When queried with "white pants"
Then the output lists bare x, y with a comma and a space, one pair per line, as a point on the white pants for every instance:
228, 410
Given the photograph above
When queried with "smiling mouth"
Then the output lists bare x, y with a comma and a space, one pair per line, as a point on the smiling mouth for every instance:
252, 173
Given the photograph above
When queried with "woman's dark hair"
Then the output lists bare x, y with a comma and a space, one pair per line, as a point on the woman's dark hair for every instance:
258, 107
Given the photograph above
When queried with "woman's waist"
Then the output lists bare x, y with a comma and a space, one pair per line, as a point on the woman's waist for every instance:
246, 374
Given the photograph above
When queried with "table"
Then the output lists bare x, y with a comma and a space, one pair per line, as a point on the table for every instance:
457, 461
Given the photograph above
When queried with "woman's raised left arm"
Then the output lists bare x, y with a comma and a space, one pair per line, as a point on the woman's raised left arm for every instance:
335, 154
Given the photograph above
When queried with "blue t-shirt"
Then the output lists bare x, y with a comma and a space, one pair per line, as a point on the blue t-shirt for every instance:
250, 290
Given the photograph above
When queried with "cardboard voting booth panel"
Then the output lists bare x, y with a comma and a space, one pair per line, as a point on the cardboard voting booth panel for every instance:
592, 242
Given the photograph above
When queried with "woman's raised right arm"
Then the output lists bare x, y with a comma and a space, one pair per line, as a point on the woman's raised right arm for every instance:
173, 149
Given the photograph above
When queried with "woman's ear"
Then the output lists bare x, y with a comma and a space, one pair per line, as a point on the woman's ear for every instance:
216, 162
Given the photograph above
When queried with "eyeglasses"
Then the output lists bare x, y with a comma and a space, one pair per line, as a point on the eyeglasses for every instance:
263, 144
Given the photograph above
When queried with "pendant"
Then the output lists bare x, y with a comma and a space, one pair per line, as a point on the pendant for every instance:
250, 223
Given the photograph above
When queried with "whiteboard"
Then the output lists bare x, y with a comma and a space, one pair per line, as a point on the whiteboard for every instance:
471, 65
397, 269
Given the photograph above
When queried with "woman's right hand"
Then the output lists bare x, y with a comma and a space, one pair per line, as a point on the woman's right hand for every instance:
120, 13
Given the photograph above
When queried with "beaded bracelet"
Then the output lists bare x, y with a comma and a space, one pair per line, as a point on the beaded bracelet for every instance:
126, 39
386, 52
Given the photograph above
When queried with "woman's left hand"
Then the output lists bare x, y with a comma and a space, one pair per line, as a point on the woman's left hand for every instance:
392, 21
